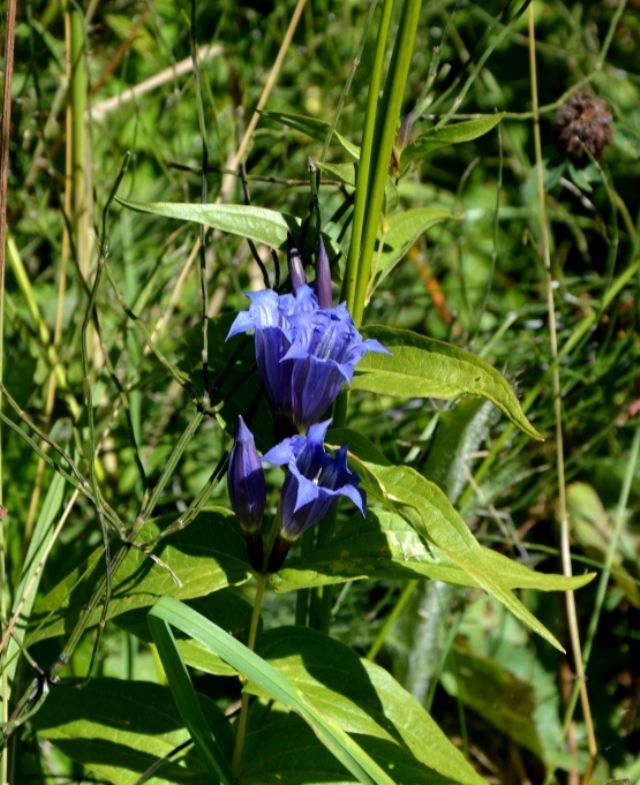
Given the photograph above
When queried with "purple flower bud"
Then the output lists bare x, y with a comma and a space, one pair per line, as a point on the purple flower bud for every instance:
323, 277
296, 268
314, 482
305, 353
245, 480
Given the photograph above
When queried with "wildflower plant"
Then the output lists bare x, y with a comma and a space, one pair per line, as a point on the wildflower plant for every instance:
296, 385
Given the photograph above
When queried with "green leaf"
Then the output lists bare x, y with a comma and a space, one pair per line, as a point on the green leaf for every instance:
27, 589
269, 681
255, 223
457, 133
364, 699
118, 729
420, 367
433, 517
592, 528
401, 232
230, 611
207, 556
346, 173
187, 702
316, 129
384, 546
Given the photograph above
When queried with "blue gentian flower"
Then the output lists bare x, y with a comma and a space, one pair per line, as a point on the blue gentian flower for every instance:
314, 482
245, 480
305, 353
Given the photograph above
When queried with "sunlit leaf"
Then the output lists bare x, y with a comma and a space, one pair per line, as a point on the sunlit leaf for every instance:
428, 510
264, 677
207, 556
365, 700
384, 546
257, 223
401, 231
316, 129
118, 729
420, 367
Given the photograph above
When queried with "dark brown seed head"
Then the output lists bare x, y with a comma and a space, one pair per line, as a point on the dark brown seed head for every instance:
584, 121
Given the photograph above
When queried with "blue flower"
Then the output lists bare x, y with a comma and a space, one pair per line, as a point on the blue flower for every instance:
314, 482
305, 353
245, 480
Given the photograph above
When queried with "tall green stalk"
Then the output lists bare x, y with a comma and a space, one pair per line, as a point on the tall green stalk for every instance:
349, 285
377, 144
380, 128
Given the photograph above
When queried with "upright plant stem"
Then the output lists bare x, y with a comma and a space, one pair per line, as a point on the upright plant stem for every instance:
241, 732
349, 285
565, 546
384, 137
381, 123
5, 134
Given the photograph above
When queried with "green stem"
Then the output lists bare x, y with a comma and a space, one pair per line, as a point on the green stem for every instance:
244, 708
364, 164
381, 123
391, 619
384, 138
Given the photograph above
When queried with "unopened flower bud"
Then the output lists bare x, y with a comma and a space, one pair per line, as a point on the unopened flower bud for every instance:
323, 277
296, 270
245, 480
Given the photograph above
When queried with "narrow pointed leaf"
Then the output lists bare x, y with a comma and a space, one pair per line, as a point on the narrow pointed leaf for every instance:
385, 546
366, 700
270, 681
420, 367
428, 510
187, 701
256, 223
456, 133
316, 129
402, 231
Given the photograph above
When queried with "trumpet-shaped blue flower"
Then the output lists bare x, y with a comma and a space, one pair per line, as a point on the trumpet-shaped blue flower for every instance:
314, 482
305, 353
245, 480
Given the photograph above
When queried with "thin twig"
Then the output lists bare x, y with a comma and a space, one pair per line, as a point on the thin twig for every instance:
565, 545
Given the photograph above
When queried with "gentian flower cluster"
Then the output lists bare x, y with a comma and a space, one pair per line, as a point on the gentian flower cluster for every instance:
306, 350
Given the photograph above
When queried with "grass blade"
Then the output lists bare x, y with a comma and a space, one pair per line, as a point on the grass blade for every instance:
187, 700
255, 669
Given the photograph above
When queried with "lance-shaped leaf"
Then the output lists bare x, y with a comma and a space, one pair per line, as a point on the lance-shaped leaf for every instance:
265, 678
401, 232
119, 729
420, 367
466, 131
386, 547
366, 701
255, 223
316, 129
428, 510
